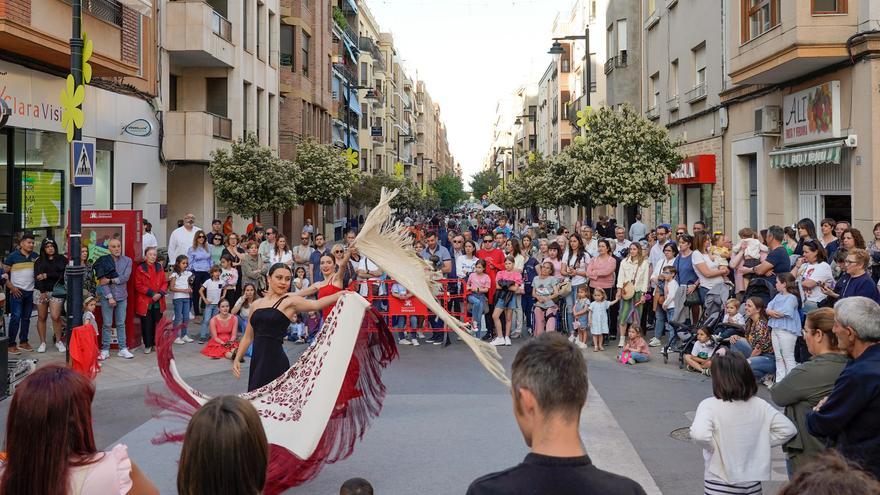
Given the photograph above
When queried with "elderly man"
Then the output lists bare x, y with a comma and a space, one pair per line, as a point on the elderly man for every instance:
182, 238
114, 301
850, 417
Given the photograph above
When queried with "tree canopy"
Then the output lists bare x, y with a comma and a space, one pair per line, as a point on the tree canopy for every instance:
483, 182
621, 158
249, 178
449, 190
325, 173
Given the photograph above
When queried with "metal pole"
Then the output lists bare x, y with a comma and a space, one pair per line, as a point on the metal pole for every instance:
75, 271
588, 86
347, 97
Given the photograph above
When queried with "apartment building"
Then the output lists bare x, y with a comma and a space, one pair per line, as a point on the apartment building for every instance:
623, 46
347, 112
684, 77
219, 81
371, 78
119, 119
803, 112
587, 17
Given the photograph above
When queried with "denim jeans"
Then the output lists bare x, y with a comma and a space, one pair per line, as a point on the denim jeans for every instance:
400, 322
476, 303
639, 357
20, 316
110, 315
762, 365
242, 325
569, 308
181, 314
210, 311
660, 323
528, 304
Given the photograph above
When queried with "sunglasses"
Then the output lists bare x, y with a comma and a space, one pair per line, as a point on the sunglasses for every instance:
337, 252
201, 237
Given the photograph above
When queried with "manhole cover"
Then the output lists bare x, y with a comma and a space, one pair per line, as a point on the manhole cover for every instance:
683, 434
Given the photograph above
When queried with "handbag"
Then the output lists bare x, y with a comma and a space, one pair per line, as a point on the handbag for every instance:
564, 288
59, 290
693, 298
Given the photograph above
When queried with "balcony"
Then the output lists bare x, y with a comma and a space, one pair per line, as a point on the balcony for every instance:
609, 65
192, 136
652, 113
106, 10
347, 73
672, 103
420, 128
696, 93
368, 45
196, 35
652, 20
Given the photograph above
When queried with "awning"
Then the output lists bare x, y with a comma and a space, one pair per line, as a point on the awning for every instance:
353, 102
143, 7
355, 145
815, 154
352, 5
350, 49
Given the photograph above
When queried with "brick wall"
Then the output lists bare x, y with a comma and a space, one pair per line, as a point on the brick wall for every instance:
16, 10
131, 35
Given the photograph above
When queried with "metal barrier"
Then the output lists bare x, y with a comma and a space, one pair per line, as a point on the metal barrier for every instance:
380, 293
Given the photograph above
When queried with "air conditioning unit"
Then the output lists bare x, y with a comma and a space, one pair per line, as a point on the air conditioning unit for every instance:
768, 120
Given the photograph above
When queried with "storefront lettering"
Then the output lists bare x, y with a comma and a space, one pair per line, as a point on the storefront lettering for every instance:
685, 170
45, 111
812, 114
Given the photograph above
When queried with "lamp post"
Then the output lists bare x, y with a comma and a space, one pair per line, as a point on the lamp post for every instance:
74, 272
556, 49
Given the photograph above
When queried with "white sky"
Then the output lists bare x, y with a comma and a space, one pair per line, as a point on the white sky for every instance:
470, 53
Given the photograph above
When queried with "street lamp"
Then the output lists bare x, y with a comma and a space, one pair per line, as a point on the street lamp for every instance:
518, 122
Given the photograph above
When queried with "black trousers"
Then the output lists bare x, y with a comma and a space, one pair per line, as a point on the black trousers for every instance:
199, 278
148, 326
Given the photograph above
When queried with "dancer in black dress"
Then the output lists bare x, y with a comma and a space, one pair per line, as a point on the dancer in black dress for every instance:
267, 325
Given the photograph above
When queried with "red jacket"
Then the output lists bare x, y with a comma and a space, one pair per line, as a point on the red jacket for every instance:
494, 259
149, 280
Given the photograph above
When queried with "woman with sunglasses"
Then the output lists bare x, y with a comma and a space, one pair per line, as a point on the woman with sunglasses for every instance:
199, 255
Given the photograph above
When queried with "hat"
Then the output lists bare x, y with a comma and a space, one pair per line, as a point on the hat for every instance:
628, 291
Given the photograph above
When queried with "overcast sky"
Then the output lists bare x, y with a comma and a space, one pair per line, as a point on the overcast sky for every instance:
470, 53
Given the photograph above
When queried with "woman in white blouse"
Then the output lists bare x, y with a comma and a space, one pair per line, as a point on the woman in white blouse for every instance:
737, 430
813, 272
465, 263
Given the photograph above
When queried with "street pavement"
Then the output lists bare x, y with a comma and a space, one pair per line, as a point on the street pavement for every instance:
445, 421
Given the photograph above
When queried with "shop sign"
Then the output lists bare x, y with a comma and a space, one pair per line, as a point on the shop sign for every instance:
139, 128
812, 114
697, 169
376, 131
829, 155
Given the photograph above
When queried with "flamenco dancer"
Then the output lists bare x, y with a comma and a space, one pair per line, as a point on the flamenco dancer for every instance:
314, 411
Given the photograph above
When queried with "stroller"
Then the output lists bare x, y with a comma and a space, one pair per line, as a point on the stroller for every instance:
761, 288
683, 336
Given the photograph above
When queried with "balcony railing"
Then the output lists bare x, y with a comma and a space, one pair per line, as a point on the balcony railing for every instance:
286, 60
106, 10
221, 26
346, 72
652, 113
697, 93
672, 103
368, 45
222, 127
609, 65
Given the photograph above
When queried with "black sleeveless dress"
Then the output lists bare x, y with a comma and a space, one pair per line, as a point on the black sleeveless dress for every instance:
268, 360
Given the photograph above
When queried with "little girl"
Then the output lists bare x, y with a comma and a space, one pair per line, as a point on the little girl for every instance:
699, 359
478, 284
181, 290
296, 330
599, 318
224, 330
731, 313
242, 308
300, 282
84, 344
89, 313
784, 323
719, 252
635, 350
581, 312
229, 276
507, 283
312, 323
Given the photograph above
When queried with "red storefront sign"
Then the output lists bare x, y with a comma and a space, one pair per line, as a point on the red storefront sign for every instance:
697, 169
407, 307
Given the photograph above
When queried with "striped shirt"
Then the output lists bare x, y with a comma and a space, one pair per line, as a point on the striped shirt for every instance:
711, 487
21, 269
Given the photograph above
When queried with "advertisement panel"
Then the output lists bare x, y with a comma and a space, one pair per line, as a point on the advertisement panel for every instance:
812, 114
42, 195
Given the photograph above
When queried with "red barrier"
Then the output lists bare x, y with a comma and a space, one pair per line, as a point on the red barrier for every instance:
380, 294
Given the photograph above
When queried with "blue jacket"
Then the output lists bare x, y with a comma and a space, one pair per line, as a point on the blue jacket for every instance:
118, 285
850, 419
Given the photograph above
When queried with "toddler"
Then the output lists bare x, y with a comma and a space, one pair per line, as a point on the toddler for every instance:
581, 312
635, 350
732, 315
598, 319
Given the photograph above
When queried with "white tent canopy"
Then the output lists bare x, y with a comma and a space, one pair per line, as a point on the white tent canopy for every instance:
493, 208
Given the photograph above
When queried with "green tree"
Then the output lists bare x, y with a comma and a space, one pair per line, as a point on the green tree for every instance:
249, 178
325, 174
366, 191
483, 182
502, 197
621, 157
449, 190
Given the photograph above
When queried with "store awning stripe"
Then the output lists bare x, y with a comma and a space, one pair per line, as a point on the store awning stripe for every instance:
353, 102
804, 156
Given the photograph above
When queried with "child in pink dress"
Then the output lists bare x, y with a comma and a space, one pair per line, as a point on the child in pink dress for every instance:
224, 328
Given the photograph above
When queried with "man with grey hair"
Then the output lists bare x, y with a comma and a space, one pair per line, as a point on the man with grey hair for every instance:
850, 416
549, 388
182, 238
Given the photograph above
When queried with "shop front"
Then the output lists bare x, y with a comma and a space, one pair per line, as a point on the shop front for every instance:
815, 146
691, 194
35, 155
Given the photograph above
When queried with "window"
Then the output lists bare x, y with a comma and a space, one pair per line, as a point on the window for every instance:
216, 95
565, 61
653, 90
621, 37
609, 40
533, 112
673, 78
306, 43
365, 117
273, 119
593, 71
287, 47
260, 113
592, 9
829, 6
758, 17
245, 20
246, 89
273, 57
566, 99
103, 174
365, 80
260, 9
652, 7
172, 94
699, 65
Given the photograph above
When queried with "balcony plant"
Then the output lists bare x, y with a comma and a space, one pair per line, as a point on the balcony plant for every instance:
339, 18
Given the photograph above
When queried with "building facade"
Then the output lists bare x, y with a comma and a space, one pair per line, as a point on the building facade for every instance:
118, 119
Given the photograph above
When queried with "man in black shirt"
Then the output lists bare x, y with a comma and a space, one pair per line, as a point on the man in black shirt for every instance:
549, 387
777, 261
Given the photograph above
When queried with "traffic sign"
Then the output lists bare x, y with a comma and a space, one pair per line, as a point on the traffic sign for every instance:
83, 163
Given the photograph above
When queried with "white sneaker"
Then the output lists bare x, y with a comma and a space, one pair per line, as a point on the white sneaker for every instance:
60, 346
497, 341
655, 342
415, 342
124, 353
42, 347
580, 344
507, 341
403, 342
621, 342
571, 338
421, 335
148, 350
179, 341
104, 355
187, 339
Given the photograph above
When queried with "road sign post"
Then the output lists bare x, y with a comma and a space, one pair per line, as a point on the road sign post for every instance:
83, 161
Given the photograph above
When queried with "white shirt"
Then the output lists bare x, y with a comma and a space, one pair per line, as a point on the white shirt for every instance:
669, 291
656, 256
364, 264
819, 272
707, 282
621, 248
592, 247
149, 240
638, 231
180, 240
180, 281
465, 266
282, 257
737, 437
571, 261
213, 290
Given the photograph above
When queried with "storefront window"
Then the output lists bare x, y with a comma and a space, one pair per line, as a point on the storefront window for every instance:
41, 164
4, 181
104, 175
